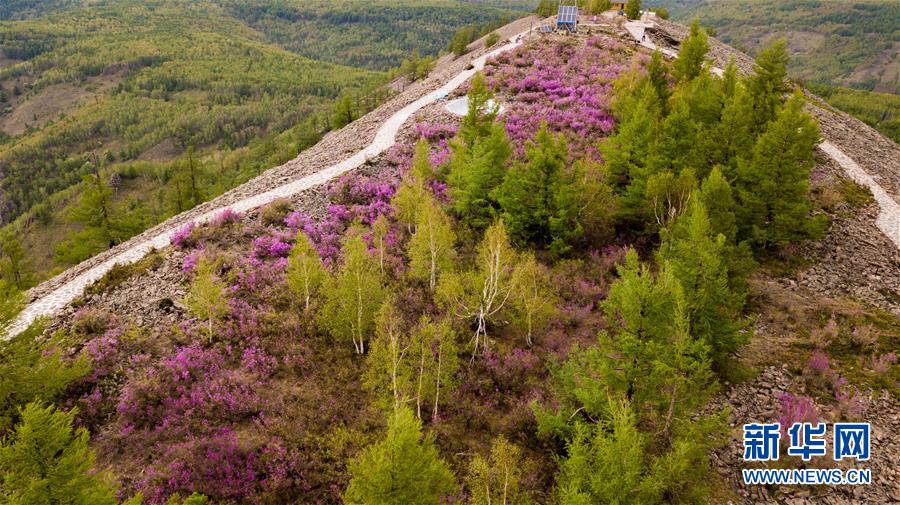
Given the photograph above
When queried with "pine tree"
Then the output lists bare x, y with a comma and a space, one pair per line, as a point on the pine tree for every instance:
584, 206
476, 169
534, 300
206, 296
698, 259
304, 274
633, 9
43, 462
495, 480
628, 152
692, 54
479, 295
773, 187
718, 199
431, 246
353, 294
527, 193
402, 469
652, 360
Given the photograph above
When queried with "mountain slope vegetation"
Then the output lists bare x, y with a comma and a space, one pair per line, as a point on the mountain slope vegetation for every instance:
170, 102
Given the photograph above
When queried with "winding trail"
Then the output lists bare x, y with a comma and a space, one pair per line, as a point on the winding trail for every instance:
385, 137
888, 220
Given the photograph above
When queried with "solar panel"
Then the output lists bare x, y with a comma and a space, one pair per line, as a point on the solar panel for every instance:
546, 28
568, 14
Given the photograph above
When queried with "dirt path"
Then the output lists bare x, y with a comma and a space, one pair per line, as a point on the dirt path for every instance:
385, 137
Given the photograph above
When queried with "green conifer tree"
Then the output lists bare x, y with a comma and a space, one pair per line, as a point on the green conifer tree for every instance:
767, 84
773, 187
45, 462
404, 468
698, 259
527, 193
476, 169
692, 54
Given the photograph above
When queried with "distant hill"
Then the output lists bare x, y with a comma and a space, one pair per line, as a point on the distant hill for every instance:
854, 44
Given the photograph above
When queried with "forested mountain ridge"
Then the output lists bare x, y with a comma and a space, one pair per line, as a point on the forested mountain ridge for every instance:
579, 300
172, 102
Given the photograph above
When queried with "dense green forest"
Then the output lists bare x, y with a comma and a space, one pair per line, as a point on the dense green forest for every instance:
167, 103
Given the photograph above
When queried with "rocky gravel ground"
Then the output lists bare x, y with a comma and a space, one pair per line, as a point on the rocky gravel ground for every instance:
756, 401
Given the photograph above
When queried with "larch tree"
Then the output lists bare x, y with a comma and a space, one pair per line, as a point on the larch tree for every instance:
495, 480
767, 84
476, 168
305, 273
698, 259
206, 296
526, 195
584, 207
482, 111
404, 468
652, 360
658, 76
353, 294
605, 463
44, 461
773, 187
534, 302
480, 294
431, 246
692, 53
11, 302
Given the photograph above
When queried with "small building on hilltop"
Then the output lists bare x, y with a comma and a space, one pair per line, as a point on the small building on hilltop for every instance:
618, 6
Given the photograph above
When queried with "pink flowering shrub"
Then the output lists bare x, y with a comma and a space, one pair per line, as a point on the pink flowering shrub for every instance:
226, 217
566, 85
218, 465
269, 246
796, 409
185, 391
184, 236
189, 263
355, 198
